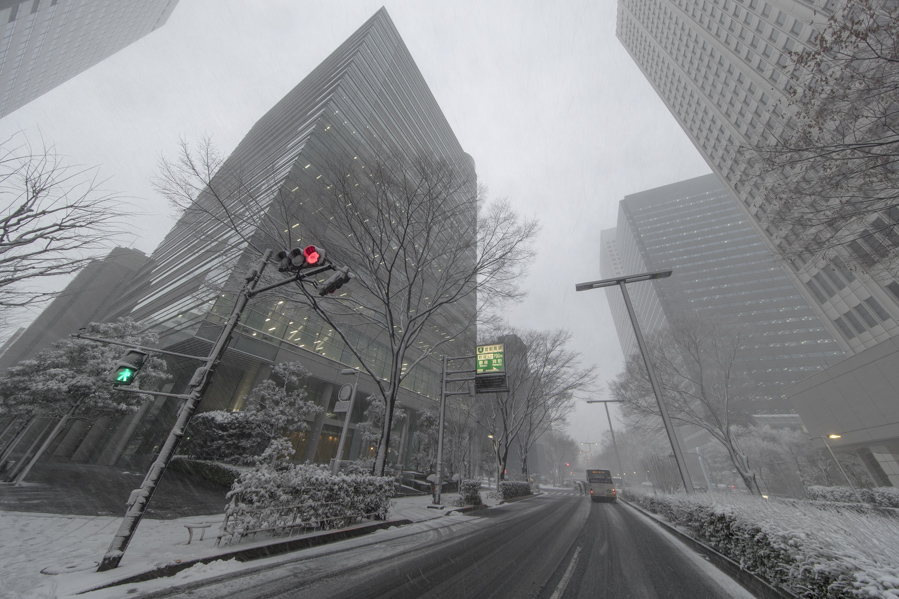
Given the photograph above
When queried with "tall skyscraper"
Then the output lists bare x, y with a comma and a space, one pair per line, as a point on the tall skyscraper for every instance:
719, 66
367, 95
722, 270
44, 43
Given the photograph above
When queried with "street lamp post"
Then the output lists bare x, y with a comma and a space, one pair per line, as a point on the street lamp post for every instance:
606, 402
839, 465
335, 464
704, 466
663, 410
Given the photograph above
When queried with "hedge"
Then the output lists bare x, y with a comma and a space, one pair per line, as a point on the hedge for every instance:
810, 550
513, 488
880, 497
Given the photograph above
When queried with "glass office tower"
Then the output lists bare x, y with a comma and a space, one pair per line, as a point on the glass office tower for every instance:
367, 95
44, 43
720, 67
722, 270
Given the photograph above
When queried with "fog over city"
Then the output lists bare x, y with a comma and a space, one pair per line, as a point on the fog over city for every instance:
556, 115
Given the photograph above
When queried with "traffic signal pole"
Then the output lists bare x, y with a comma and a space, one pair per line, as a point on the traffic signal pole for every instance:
137, 502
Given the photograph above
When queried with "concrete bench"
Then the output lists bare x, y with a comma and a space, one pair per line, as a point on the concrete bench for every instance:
192, 527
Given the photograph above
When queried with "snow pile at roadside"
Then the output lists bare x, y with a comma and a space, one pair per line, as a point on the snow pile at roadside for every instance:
811, 550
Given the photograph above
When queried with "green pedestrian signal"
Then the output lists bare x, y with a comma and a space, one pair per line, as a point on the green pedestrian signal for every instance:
127, 367
124, 375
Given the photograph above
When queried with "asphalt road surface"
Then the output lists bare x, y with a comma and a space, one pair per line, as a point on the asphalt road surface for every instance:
553, 546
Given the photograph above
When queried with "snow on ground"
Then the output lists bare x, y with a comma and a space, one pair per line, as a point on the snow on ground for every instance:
48, 555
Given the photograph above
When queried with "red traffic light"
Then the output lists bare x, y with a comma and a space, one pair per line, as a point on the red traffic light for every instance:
313, 257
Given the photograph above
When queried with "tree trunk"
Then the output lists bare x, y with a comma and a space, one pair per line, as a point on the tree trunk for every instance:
11, 446
384, 442
40, 452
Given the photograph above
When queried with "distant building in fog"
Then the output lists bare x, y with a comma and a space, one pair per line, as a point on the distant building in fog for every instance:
723, 270
44, 43
87, 298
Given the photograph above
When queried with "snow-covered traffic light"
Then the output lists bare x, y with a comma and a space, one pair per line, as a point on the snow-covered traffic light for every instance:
335, 281
127, 367
297, 259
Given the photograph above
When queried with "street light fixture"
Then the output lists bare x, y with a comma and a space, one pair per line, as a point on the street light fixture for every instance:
840, 466
335, 464
663, 410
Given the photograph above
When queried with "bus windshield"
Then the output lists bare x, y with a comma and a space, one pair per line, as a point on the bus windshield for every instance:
599, 476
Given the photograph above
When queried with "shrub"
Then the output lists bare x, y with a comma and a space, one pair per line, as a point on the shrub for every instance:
220, 474
513, 488
470, 492
880, 497
276, 494
812, 550
219, 436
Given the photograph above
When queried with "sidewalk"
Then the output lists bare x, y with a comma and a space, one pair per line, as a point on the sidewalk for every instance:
51, 555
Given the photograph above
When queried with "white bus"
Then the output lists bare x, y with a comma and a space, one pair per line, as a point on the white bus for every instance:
601, 485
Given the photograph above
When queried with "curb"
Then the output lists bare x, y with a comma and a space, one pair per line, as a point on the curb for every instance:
519, 498
252, 553
749, 581
467, 508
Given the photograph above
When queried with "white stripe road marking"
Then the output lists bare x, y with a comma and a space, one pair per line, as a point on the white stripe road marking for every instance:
566, 577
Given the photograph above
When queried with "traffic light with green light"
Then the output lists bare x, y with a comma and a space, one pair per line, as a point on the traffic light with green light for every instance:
127, 367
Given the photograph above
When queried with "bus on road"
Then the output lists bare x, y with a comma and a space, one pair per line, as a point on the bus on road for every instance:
601, 485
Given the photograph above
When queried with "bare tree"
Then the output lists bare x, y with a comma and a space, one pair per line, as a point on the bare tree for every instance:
562, 451
54, 219
424, 248
544, 378
830, 170
696, 361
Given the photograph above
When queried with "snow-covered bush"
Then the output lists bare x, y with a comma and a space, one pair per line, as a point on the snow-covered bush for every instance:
220, 474
880, 497
513, 488
277, 495
220, 436
470, 492
811, 550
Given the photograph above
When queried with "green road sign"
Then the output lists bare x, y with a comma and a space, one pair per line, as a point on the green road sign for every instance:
490, 359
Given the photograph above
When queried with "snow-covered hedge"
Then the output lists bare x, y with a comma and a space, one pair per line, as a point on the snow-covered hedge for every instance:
221, 474
470, 492
811, 550
880, 497
279, 497
513, 488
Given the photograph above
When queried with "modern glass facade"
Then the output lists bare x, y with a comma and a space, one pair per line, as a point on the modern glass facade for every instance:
722, 269
367, 95
44, 43
720, 67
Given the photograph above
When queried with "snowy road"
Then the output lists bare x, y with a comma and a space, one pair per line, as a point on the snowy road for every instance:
554, 546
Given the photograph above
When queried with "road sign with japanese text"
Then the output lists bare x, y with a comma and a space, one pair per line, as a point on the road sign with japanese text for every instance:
490, 359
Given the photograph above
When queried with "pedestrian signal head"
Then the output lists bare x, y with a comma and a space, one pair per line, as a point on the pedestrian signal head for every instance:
127, 367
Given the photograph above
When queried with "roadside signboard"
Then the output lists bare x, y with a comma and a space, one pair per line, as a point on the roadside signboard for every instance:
490, 369
491, 359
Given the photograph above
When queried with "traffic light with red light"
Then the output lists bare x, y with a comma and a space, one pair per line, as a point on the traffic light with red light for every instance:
313, 256
298, 259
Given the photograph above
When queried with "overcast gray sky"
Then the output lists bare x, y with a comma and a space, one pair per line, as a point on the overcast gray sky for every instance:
557, 116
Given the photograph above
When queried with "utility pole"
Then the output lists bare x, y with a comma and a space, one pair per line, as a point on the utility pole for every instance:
199, 383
